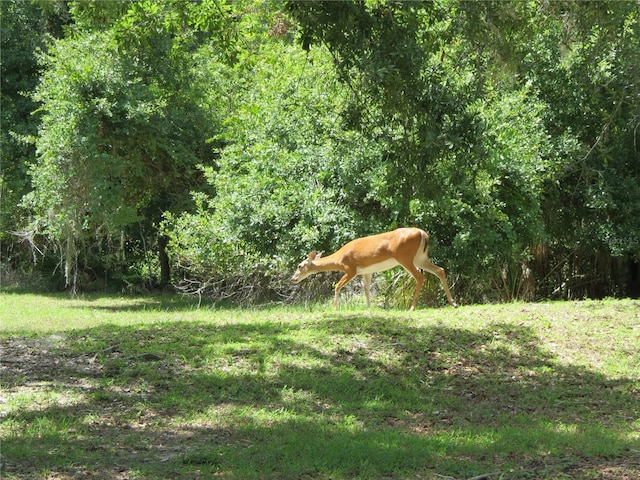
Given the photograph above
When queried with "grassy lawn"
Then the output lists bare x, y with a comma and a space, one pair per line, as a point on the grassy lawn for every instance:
149, 388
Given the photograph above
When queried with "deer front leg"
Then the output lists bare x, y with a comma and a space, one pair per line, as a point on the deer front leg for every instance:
346, 278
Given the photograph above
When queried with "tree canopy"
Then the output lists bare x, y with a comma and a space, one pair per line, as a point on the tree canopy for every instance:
215, 143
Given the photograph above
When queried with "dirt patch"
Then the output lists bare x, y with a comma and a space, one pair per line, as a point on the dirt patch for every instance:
621, 469
24, 361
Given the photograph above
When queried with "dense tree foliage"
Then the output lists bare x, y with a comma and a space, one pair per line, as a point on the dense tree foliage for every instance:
232, 138
25, 25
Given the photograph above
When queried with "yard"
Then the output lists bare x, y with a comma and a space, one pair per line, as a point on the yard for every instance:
145, 388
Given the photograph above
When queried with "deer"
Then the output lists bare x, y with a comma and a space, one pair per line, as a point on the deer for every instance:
364, 256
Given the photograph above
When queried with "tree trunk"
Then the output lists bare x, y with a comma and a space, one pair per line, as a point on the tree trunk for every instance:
163, 259
633, 287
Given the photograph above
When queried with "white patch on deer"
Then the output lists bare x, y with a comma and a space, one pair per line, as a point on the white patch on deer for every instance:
377, 267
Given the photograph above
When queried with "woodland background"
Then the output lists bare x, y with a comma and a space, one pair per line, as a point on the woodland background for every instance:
210, 145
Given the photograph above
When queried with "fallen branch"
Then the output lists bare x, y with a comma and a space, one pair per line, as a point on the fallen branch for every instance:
104, 350
484, 475
447, 477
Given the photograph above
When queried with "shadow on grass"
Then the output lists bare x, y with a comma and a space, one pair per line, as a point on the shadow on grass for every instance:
158, 301
347, 396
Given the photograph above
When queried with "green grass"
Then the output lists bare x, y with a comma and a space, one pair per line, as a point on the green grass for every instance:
147, 388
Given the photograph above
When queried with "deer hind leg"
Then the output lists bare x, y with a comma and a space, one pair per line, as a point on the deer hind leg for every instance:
346, 278
441, 274
415, 273
366, 280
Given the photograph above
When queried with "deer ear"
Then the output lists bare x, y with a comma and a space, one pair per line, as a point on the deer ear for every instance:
318, 255
312, 256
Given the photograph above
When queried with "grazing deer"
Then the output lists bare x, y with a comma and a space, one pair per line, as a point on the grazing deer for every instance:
363, 256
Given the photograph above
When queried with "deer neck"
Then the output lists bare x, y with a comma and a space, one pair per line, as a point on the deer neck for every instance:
327, 264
